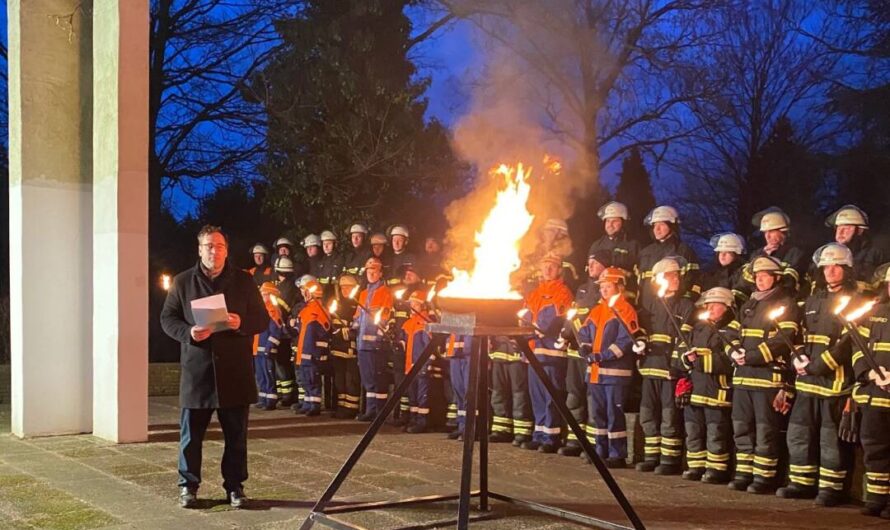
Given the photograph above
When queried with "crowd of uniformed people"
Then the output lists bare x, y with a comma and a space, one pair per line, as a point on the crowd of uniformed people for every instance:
734, 365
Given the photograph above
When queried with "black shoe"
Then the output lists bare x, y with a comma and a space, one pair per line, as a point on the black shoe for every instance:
872, 509
547, 448
647, 465
260, 405
531, 445
366, 417
793, 491
188, 497
615, 463
667, 469
398, 422
415, 429
344, 415
829, 498
313, 412
520, 439
296, 407
454, 435
739, 484
570, 450
886, 513
760, 488
287, 403
500, 437
237, 498
692, 474
715, 477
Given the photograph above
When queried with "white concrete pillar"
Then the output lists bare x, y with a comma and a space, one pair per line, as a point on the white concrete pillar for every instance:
50, 216
120, 219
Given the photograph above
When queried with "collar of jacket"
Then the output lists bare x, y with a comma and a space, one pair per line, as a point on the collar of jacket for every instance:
203, 273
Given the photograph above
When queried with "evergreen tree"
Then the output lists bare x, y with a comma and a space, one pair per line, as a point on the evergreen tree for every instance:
635, 191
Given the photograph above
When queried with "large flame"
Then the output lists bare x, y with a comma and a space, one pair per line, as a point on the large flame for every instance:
497, 242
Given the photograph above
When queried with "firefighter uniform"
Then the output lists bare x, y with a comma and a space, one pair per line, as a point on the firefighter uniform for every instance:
728, 276
866, 255
874, 401
510, 402
607, 344
330, 267
401, 314
354, 259
815, 455
377, 299
792, 259
347, 382
458, 351
289, 296
548, 304
261, 273
660, 368
658, 250
577, 394
413, 340
756, 424
266, 346
707, 417
623, 251
312, 350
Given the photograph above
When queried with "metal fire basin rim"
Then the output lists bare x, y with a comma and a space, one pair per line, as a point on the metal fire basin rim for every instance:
479, 331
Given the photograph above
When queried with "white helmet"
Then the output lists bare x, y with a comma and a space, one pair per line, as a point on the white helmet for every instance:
304, 279
358, 229
327, 235
283, 241
259, 248
766, 264
847, 214
399, 230
378, 239
720, 295
833, 254
772, 218
311, 240
613, 209
728, 242
662, 214
665, 265
284, 264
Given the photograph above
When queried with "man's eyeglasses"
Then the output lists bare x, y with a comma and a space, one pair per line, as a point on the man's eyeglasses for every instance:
211, 246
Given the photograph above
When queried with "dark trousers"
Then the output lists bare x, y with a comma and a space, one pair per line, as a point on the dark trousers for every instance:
192, 428
285, 375
874, 432
375, 380
757, 433
548, 422
662, 422
576, 395
509, 399
310, 382
347, 384
264, 369
419, 399
814, 449
398, 374
459, 369
607, 420
708, 438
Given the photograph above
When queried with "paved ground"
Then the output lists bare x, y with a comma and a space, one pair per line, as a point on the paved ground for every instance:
82, 482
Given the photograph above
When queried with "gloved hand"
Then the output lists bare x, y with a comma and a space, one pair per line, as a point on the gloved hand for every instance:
639, 347
800, 364
560, 343
691, 356
882, 379
738, 356
683, 392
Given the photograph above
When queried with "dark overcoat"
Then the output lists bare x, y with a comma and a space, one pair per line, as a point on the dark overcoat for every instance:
217, 372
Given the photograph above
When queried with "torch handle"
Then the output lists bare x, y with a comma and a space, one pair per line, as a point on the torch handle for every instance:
853, 329
726, 342
673, 319
788, 342
418, 313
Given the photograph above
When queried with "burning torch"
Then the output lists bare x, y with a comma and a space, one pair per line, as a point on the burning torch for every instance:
612, 300
774, 316
352, 296
523, 315
400, 293
165, 282
570, 316
849, 321
703, 317
662, 291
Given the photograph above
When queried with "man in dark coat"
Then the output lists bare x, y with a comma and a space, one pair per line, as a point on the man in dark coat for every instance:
217, 366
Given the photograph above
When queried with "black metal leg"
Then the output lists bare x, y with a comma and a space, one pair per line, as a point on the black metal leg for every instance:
363, 444
466, 469
484, 404
582, 438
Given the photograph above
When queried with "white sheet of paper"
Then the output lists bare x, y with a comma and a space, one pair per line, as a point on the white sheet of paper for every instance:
211, 312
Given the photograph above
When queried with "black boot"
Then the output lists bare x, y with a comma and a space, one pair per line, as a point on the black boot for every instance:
570, 450
760, 488
667, 469
796, 491
713, 476
740, 484
829, 498
693, 474
500, 437
647, 466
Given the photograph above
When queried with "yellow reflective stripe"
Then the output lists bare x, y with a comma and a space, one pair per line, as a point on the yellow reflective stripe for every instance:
760, 383
765, 351
751, 332
817, 339
658, 337
829, 360
713, 402
655, 372
788, 324
817, 389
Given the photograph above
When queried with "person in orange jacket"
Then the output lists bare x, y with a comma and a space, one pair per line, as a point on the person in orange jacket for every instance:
311, 349
547, 306
371, 323
413, 341
266, 346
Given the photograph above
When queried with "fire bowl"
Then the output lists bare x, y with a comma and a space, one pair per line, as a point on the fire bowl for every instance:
493, 312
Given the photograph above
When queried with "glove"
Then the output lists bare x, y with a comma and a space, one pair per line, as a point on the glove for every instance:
782, 402
800, 364
691, 356
882, 380
640, 347
683, 392
738, 356
848, 429
560, 343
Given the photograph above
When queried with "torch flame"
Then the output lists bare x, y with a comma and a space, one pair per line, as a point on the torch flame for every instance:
273, 299
776, 313
703, 315
399, 293
842, 304
522, 313
613, 299
431, 295
860, 311
354, 292
165, 282
570, 314
497, 242
333, 307
378, 316
662, 284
